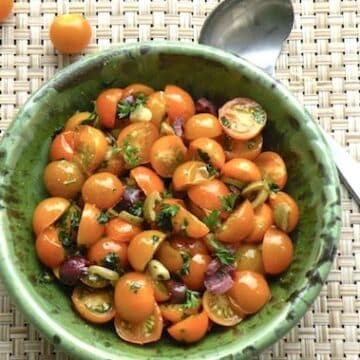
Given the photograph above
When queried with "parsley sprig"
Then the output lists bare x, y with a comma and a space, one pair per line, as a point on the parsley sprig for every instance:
192, 299
112, 262
130, 153
212, 220
221, 252
163, 218
185, 269
228, 201
126, 107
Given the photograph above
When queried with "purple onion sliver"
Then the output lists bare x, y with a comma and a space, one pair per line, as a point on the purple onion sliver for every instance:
204, 105
72, 269
130, 99
178, 126
213, 267
177, 291
133, 194
219, 283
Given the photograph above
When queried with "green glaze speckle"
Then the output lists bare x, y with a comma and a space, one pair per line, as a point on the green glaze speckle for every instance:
204, 72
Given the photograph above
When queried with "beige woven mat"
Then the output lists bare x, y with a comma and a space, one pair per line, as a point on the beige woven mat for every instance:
319, 63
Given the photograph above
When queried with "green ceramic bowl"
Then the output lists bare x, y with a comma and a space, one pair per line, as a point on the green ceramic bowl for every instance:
203, 71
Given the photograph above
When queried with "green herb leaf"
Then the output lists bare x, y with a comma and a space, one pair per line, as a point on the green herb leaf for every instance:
225, 121
66, 239
274, 187
211, 170
212, 220
183, 227
75, 217
192, 299
163, 218
112, 261
185, 269
228, 201
103, 218
44, 277
137, 208
221, 252
125, 108
130, 153
91, 119
166, 194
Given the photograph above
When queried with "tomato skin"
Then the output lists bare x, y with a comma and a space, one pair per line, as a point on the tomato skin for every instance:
120, 230
179, 103
263, 219
6, 8
161, 293
176, 312
47, 212
76, 120
248, 149
277, 251
166, 154
156, 102
192, 246
62, 147
136, 89
49, 249
169, 257
147, 180
202, 125
103, 189
241, 169
250, 291
70, 33
198, 265
63, 178
249, 257
190, 330
106, 106
134, 297
103, 247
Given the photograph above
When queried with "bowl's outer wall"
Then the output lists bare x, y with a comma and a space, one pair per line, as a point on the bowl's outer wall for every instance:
202, 71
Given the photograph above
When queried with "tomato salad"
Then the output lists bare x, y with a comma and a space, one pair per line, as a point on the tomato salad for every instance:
165, 213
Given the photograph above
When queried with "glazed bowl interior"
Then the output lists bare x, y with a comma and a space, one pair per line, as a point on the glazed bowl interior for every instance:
203, 71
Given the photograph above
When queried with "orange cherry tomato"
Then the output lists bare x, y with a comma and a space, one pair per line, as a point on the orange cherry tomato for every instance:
94, 305
196, 210
208, 150
103, 189
120, 230
135, 141
49, 249
147, 180
189, 245
242, 118
70, 33
76, 120
170, 257
106, 106
99, 252
179, 103
142, 248
63, 178
191, 173
202, 125
145, 332
250, 291
208, 195
113, 162
249, 257
6, 8
238, 225
156, 102
194, 280
241, 169
134, 297
277, 251
136, 89
190, 330
219, 310
272, 168
166, 154
177, 312
90, 230
161, 293
47, 212
90, 147
286, 211
62, 147
263, 219
248, 149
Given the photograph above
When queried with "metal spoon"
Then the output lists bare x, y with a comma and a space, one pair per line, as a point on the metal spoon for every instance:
255, 30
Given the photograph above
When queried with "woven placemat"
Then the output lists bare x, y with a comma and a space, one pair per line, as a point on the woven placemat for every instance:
319, 63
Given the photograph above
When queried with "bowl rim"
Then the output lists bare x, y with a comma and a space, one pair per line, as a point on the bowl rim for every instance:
10, 274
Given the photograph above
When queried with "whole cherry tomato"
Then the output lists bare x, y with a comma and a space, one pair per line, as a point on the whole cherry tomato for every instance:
106, 106
179, 103
202, 125
62, 147
242, 170
249, 257
170, 257
76, 120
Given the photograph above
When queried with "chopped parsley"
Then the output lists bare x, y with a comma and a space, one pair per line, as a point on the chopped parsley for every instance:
228, 201
91, 119
192, 299
126, 107
274, 187
185, 269
212, 220
211, 170
103, 218
66, 239
112, 262
137, 208
221, 252
166, 194
130, 153
225, 121
163, 218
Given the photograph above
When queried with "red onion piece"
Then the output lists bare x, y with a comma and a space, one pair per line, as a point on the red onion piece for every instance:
219, 283
213, 267
204, 105
130, 99
72, 269
178, 125
132, 195
177, 291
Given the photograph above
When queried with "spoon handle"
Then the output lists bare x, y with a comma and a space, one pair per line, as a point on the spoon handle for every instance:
348, 168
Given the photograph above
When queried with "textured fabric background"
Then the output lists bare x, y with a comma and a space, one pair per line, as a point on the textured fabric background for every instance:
319, 63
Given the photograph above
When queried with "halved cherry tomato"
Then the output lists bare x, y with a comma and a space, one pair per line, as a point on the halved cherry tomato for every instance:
208, 150
242, 170
250, 291
145, 332
219, 310
263, 219
104, 248
5, 8
156, 102
208, 195
194, 280
113, 162
63, 178
242, 118
277, 251
120, 230
196, 210
170, 257
161, 293
179, 103
177, 312
189, 245
106, 106
238, 225
49, 249
136, 89
142, 248
62, 147
166, 154
76, 120
248, 149
272, 168
103, 189
134, 297
286, 211
190, 330
94, 305
147, 180
191, 173
47, 212
249, 257
135, 142
202, 125
90, 230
